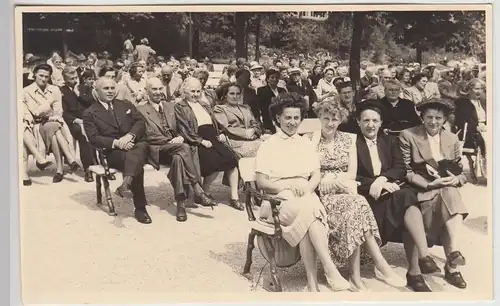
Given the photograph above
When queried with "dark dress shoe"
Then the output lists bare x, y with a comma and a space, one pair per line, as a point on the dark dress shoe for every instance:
427, 265
236, 204
142, 216
27, 182
454, 278
456, 259
417, 283
43, 165
111, 177
124, 191
57, 178
89, 178
74, 166
181, 215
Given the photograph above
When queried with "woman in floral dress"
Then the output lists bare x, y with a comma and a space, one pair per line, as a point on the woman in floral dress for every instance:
350, 218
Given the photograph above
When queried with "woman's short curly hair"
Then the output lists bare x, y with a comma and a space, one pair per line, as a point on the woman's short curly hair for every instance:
333, 107
287, 100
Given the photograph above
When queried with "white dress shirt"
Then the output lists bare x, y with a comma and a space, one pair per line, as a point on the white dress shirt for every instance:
435, 145
375, 158
202, 116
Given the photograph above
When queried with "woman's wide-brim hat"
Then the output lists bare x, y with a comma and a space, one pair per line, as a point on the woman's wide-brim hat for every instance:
436, 103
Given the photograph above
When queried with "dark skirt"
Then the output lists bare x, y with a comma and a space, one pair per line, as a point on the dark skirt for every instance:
217, 158
389, 211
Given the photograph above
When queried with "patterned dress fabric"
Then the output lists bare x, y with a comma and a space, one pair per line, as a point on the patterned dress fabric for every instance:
349, 216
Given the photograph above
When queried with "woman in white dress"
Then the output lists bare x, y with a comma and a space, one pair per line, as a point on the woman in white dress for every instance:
295, 178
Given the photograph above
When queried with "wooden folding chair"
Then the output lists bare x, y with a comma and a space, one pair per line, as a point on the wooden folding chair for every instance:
269, 235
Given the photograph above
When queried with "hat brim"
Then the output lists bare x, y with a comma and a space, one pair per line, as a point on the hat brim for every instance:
375, 105
434, 104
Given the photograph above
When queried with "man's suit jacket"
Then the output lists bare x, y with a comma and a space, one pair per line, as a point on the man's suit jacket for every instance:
416, 151
264, 97
101, 128
466, 112
73, 106
304, 90
393, 167
401, 116
235, 120
155, 135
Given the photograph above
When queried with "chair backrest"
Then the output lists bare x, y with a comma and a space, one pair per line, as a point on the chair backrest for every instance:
309, 125
246, 166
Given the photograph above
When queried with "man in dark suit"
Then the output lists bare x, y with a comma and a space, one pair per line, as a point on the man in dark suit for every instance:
118, 127
400, 113
381, 172
167, 147
73, 108
302, 87
264, 96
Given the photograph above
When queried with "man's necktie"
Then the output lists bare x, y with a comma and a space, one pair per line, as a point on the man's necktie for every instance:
167, 89
163, 120
111, 111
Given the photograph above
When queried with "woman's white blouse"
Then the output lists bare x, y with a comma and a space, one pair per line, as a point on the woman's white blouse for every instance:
202, 116
282, 156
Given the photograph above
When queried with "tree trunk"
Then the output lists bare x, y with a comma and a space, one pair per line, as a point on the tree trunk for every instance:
190, 36
195, 43
257, 38
240, 22
419, 53
355, 56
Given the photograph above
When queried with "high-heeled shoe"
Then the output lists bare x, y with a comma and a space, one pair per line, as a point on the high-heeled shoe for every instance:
340, 284
393, 280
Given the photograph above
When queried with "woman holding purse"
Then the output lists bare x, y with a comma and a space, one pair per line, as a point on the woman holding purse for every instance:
350, 218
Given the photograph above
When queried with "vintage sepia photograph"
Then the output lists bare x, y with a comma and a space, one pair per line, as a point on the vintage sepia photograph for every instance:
244, 153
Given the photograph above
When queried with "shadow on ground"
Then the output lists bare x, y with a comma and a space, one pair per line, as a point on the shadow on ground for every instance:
294, 278
478, 225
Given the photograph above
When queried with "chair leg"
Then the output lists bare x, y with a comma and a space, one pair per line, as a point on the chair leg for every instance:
472, 169
98, 189
276, 282
250, 247
109, 200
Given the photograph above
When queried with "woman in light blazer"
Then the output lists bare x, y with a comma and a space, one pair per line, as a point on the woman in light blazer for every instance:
432, 158
238, 123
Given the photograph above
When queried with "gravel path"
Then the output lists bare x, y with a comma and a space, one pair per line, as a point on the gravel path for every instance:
72, 252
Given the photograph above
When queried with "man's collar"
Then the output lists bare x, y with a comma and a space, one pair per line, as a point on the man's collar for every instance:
284, 136
370, 141
38, 89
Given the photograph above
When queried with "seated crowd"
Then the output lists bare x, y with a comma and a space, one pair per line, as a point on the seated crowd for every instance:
382, 168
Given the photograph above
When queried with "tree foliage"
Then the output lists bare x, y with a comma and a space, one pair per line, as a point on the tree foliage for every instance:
387, 36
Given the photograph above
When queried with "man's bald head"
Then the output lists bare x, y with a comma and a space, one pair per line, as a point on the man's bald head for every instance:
106, 89
386, 75
167, 72
155, 89
152, 82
